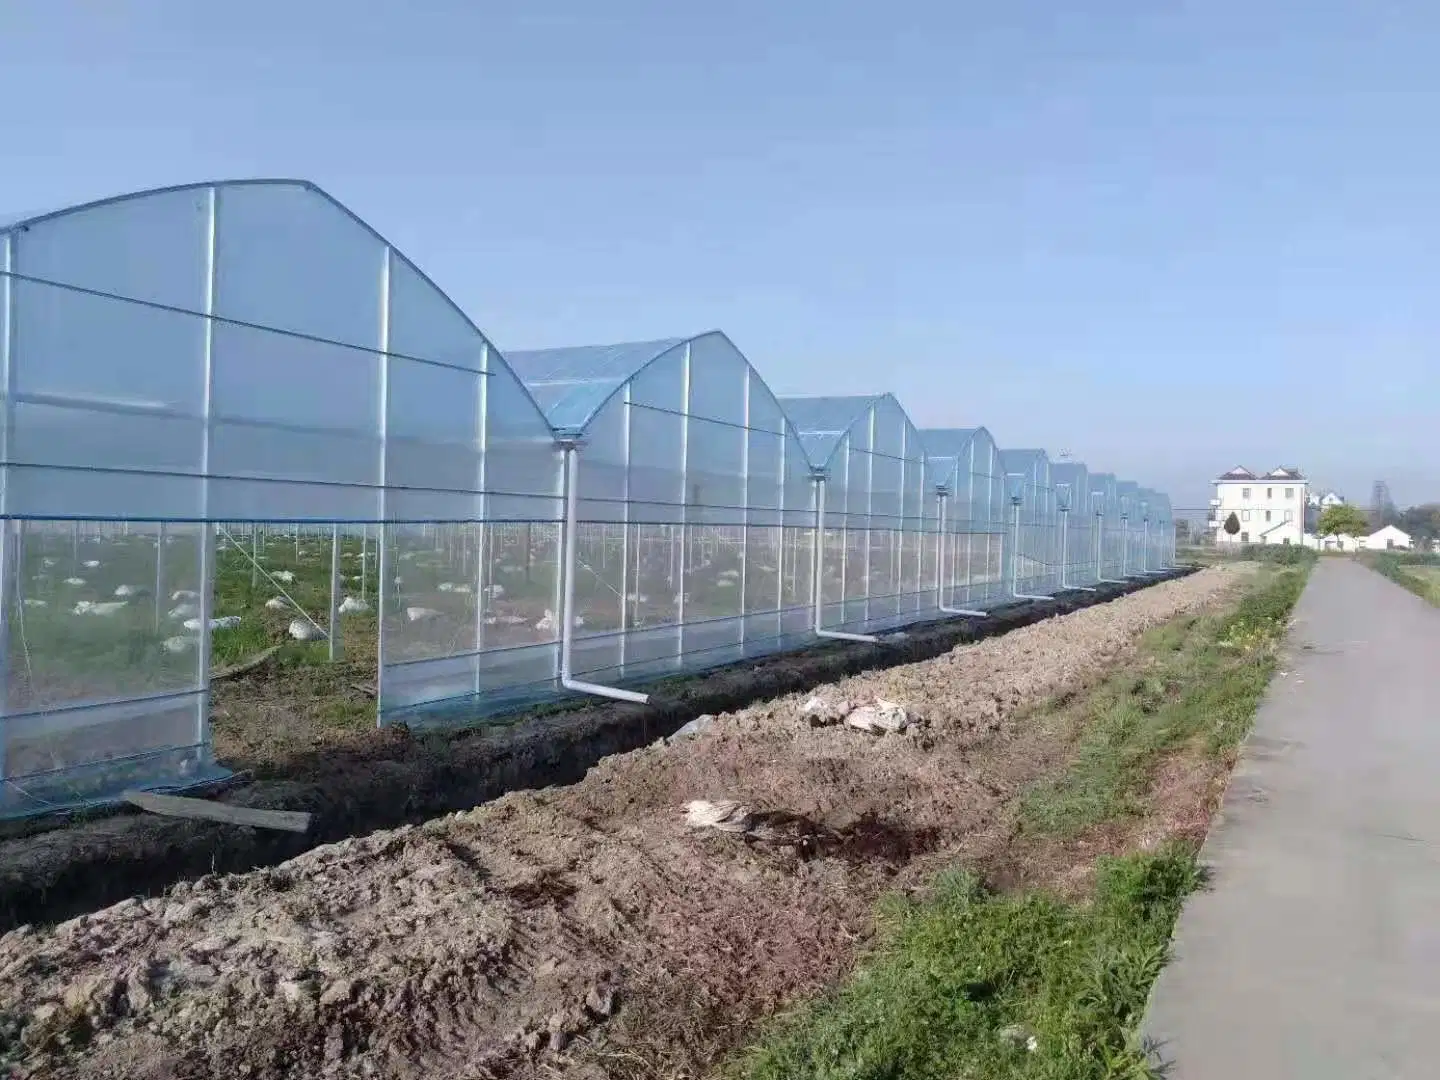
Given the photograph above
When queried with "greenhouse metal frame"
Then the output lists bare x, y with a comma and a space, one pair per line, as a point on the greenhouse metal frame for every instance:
188, 370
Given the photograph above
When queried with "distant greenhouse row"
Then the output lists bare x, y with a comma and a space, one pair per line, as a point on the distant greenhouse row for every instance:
189, 370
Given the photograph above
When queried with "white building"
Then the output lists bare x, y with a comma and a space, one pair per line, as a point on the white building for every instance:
1269, 509
1388, 537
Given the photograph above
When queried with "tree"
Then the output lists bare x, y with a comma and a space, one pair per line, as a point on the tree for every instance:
1342, 519
1232, 524
1422, 523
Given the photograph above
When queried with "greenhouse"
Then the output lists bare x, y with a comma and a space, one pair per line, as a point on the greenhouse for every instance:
236, 420
1078, 562
964, 471
1033, 563
1131, 510
693, 501
876, 567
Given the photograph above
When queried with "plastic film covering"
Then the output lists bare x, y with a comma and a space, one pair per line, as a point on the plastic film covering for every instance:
695, 508
227, 352
1131, 511
1107, 524
879, 555
1034, 568
963, 467
1071, 481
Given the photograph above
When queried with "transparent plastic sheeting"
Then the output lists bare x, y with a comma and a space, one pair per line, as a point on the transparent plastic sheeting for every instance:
963, 468
225, 352
695, 503
879, 557
186, 370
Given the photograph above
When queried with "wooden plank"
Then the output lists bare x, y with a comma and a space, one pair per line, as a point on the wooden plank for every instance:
206, 810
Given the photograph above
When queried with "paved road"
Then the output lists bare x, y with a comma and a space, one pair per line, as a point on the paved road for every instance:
1316, 952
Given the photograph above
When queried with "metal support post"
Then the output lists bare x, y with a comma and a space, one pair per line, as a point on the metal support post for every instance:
1015, 562
820, 631
333, 632
940, 575
567, 607
1065, 552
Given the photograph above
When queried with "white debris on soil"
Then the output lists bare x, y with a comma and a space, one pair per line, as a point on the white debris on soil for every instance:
178, 644
421, 614
1020, 1037
352, 605
128, 590
184, 594
184, 611
91, 564
90, 607
727, 815
695, 727
30, 601
223, 622
821, 711
284, 576
881, 718
305, 630
277, 603
76, 581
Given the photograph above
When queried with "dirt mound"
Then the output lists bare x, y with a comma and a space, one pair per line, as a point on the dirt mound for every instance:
503, 940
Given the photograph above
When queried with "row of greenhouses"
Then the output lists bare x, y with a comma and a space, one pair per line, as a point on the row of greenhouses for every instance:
199, 379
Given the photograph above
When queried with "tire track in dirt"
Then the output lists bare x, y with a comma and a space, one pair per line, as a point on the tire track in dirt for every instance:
583, 929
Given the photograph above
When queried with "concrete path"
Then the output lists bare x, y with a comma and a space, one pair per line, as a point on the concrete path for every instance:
1315, 953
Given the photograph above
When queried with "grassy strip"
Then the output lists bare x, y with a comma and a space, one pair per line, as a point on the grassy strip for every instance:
1417, 572
1198, 684
968, 983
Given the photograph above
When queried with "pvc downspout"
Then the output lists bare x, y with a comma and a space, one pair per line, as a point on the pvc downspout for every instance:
1015, 564
1100, 552
1064, 552
567, 606
940, 570
838, 635
1145, 551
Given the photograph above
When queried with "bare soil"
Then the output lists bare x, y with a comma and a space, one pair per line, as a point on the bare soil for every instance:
584, 930
302, 737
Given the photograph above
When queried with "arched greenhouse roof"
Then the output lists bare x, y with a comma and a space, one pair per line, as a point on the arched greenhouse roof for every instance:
314, 320
572, 384
1070, 479
823, 422
944, 447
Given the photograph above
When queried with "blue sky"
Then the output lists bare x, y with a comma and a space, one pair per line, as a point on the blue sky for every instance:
1168, 237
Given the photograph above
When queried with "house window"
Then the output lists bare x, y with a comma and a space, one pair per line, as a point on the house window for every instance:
1269, 493
1389, 543
1289, 516
1289, 493
1244, 493
1244, 538
1285, 540
1244, 515
1267, 515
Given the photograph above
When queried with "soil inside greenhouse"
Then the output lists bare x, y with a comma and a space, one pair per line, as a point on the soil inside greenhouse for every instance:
583, 929
302, 737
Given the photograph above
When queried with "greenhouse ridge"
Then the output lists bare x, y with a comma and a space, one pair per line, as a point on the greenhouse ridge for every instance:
189, 368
